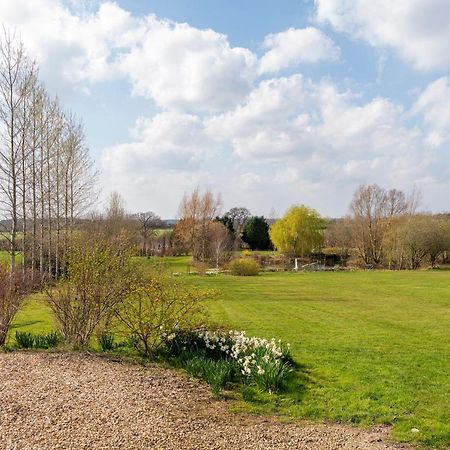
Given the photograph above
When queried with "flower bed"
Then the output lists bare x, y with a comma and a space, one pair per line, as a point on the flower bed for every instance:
263, 362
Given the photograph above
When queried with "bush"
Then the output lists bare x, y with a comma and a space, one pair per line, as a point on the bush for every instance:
244, 267
99, 275
160, 307
14, 288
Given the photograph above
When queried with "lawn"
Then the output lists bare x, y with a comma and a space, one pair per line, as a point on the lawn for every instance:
373, 347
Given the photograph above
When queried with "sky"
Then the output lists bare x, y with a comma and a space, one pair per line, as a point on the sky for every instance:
269, 103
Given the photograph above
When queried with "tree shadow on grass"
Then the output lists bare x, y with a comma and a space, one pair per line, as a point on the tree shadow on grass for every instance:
27, 323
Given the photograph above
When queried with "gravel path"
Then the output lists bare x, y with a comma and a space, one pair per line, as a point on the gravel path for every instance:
52, 401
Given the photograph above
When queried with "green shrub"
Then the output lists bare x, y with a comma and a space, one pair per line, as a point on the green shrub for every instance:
106, 341
24, 339
244, 267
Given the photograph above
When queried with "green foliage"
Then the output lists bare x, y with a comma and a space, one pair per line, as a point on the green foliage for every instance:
244, 267
106, 341
256, 234
228, 222
25, 339
215, 373
271, 376
299, 232
47, 340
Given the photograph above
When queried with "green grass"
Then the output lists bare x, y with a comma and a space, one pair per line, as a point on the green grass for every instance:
373, 347
5, 258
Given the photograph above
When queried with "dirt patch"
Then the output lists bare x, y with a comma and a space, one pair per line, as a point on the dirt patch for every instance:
52, 401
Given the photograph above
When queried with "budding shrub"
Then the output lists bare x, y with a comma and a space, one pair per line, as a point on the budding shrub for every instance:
244, 267
99, 276
161, 306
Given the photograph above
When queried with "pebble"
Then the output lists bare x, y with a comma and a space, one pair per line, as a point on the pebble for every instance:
67, 401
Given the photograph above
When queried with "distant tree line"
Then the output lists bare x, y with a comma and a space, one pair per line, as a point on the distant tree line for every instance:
383, 230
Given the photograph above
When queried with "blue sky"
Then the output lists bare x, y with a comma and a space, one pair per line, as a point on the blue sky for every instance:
269, 103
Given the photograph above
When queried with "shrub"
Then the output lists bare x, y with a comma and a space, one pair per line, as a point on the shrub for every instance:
157, 309
244, 267
24, 339
99, 275
106, 341
14, 288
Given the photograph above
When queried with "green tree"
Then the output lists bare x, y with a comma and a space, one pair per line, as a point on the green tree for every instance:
300, 231
256, 234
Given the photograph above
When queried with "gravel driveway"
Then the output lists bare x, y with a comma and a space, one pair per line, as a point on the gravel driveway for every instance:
51, 401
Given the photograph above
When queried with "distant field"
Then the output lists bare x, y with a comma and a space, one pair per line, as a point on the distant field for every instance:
374, 347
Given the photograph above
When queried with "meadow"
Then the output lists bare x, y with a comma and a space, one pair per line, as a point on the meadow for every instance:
372, 347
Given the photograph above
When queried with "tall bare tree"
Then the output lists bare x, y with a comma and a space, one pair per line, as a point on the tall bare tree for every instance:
197, 212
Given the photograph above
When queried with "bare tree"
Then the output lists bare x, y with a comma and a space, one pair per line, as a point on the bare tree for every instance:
196, 214
373, 209
16, 71
46, 174
220, 241
148, 223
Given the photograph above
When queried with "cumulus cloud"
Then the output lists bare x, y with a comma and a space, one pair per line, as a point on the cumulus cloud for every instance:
183, 67
434, 105
292, 136
295, 46
166, 140
176, 65
418, 30
291, 117
75, 48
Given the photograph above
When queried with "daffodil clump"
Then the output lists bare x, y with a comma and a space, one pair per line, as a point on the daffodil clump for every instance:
264, 362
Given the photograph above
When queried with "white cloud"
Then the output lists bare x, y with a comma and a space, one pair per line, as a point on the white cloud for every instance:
66, 45
286, 175
166, 140
295, 46
176, 65
283, 140
417, 29
291, 140
296, 118
434, 105
186, 68
249, 180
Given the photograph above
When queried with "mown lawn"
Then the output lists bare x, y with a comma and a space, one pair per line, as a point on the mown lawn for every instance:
373, 347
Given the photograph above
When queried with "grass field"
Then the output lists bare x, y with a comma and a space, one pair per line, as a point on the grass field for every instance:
373, 347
